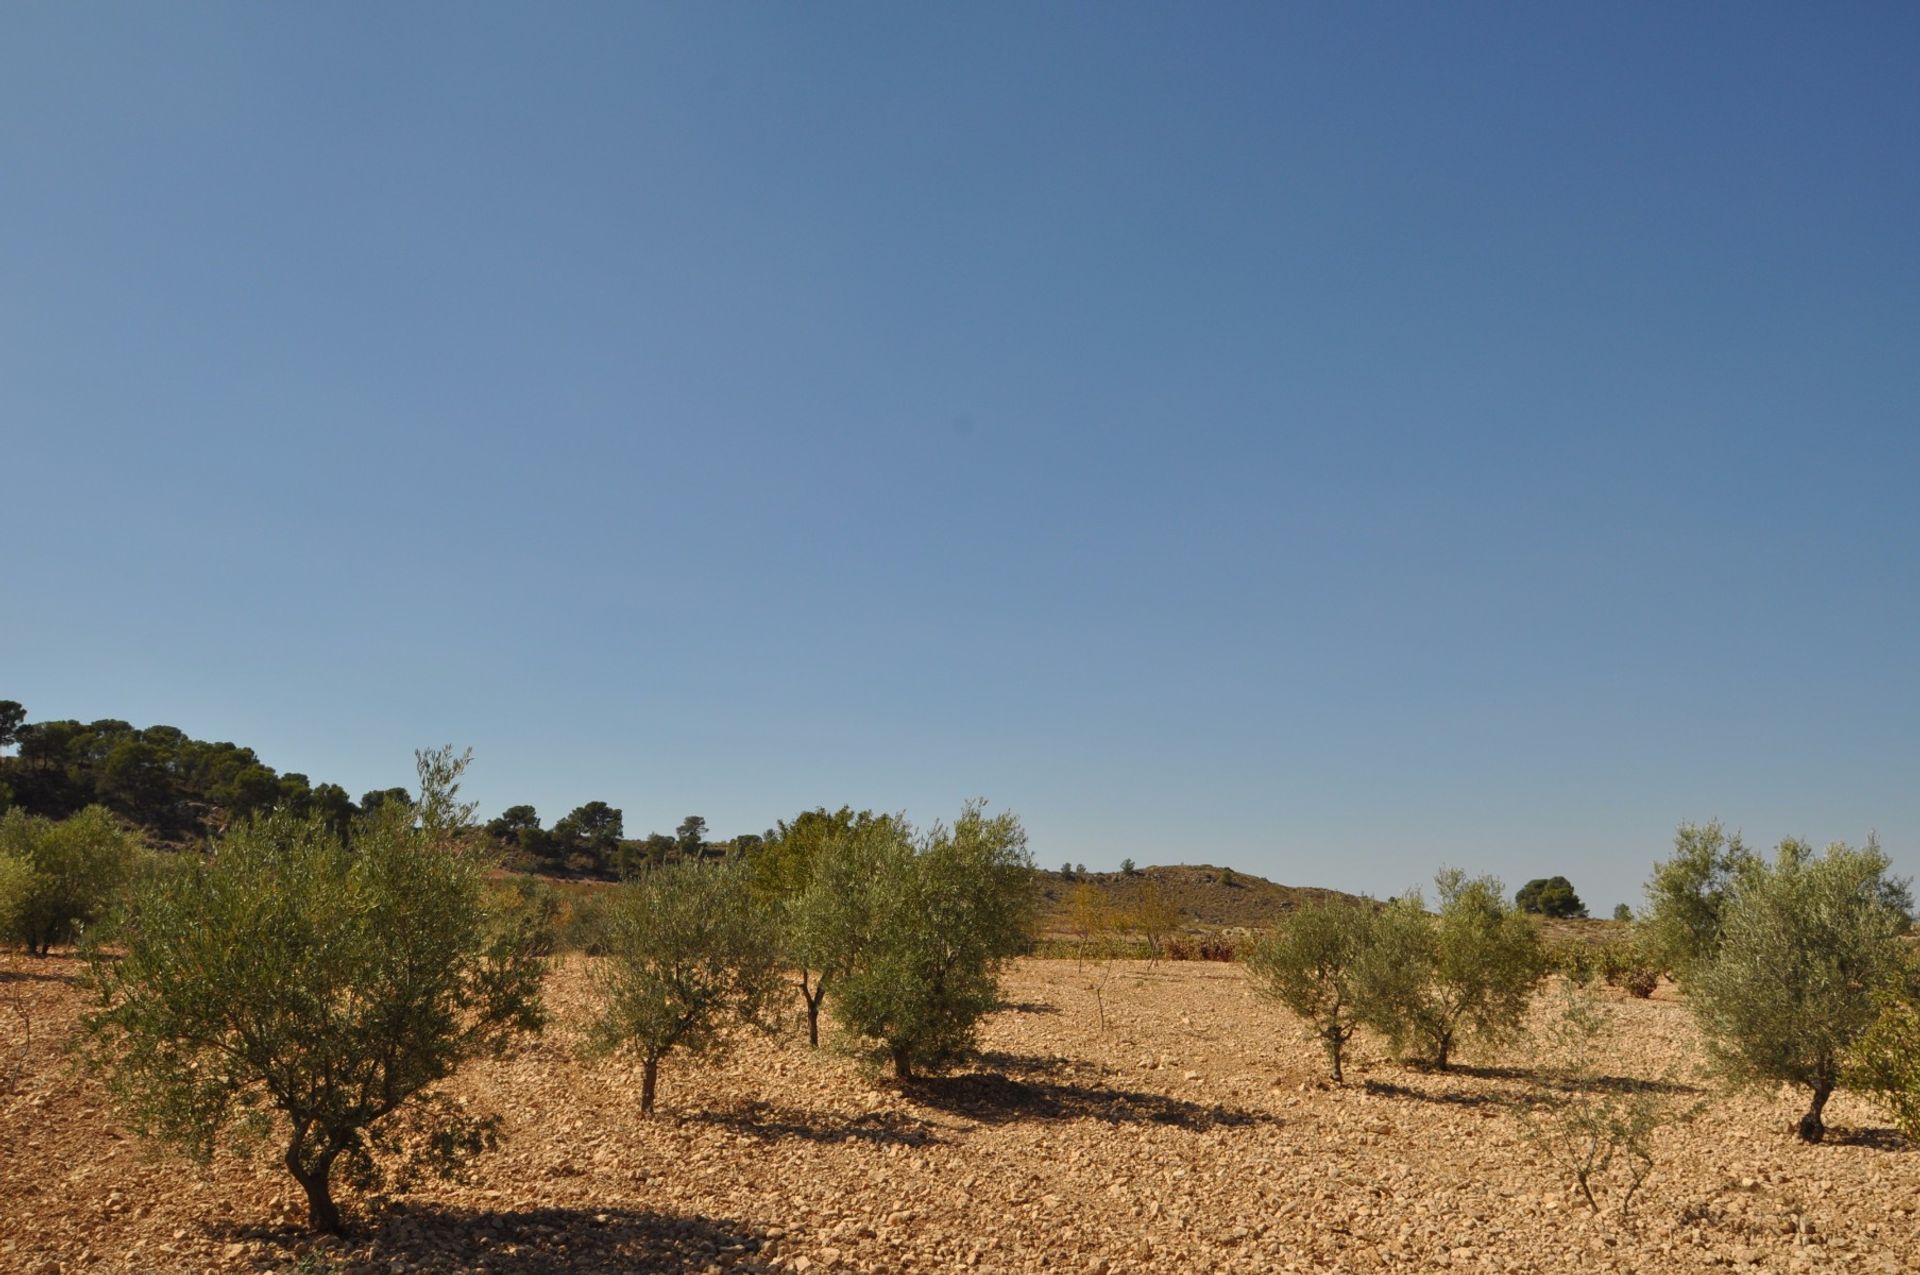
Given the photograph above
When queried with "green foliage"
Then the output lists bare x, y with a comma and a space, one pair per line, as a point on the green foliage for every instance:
691, 837
920, 927
1885, 1062
804, 871
1622, 912
290, 982
74, 869
587, 838
784, 866
1577, 962
1594, 1129
1472, 969
1308, 963
512, 823
1686, 895
172, 786
16, 887
689, 950
1806, 949
1624, 963
1550, 896
12, 715
373, 802
1126, 867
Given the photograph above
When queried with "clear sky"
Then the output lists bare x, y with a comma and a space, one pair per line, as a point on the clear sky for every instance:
1332, 440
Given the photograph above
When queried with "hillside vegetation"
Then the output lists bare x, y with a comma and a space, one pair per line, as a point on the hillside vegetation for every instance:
1203, 896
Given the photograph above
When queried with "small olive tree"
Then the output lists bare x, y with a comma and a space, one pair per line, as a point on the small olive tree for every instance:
1425, 980
689, 950
291, 980
1806, 949
1309, 963
926, 924
793, 873
74, 869
1598, 1131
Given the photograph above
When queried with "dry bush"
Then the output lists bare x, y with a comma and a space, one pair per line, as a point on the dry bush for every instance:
1204, 948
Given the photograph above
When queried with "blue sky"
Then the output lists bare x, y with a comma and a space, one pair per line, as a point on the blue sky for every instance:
1330, 440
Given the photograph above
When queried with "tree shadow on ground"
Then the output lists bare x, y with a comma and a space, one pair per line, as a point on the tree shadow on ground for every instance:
1876, 1139
765, 1122
1637, 1084
1546, 1082
541, 1241
1030, 1007
992, 1097
26, 974
1445, 1097
1469, 1069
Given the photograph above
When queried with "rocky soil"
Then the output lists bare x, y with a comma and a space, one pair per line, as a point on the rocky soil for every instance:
1123, 1118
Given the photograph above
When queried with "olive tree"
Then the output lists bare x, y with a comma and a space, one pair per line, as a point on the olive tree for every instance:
1309, 963
797, 870
1806, 948
1686, 895
689, 950
290, 982
1471, 969
75, 868
925, 924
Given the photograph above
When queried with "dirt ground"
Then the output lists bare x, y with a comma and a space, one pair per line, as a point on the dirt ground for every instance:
1123, 1118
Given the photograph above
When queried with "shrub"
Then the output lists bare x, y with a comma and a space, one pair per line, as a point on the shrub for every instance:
926, 925
1885, 1062
1576, 962
1204, 948
16, 886
689, 950
290, 980
1625, 964
1640, 981
585, 923
1426, 980
75, 869
1807, 949
1154, 918
1307, 963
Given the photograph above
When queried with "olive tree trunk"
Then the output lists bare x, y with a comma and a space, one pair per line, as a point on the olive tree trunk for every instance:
1811, 1127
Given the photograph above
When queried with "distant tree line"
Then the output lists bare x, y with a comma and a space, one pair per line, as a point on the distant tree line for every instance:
174, 787
591, 841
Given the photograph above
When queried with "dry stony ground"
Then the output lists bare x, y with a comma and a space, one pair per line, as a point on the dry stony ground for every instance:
1189, 1131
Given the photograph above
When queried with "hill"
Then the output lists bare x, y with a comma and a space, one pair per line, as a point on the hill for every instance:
1205, 897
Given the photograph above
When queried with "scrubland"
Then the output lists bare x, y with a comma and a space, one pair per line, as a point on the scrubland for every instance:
1122, 1117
